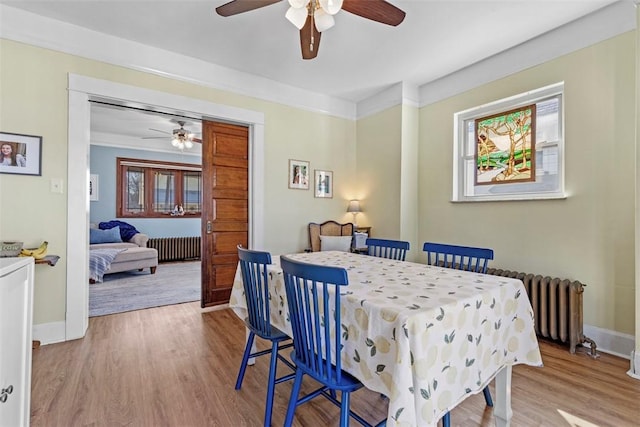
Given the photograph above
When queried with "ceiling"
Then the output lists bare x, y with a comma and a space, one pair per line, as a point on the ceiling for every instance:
357, 58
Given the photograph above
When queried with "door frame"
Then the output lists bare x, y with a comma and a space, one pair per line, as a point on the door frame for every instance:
83, 89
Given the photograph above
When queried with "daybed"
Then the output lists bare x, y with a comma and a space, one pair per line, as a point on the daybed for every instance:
134, 253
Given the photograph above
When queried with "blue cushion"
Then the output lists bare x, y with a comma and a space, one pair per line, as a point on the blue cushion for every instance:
111, 235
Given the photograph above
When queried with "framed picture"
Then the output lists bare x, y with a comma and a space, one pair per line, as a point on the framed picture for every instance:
93, 187
20, 154
505, 147
298, 174
323, 184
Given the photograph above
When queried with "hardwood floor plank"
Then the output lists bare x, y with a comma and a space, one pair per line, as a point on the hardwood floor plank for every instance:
177, 366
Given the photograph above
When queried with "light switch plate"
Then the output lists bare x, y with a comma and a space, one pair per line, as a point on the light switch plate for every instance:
56, 185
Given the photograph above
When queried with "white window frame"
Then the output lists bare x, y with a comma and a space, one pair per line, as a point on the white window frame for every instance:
464, 186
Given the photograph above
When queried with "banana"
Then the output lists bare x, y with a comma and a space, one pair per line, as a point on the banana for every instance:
37, 253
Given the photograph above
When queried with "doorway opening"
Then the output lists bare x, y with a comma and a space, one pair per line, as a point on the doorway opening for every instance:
120, 279
83, 89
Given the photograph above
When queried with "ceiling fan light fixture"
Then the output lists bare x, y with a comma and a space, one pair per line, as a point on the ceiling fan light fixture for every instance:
298, 4
297, 16
175, 142
188, 143
323, 20
331, 6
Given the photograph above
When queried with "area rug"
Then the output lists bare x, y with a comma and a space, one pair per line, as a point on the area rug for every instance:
173, 283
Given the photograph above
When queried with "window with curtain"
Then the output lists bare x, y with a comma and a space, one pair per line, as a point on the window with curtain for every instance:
156, 189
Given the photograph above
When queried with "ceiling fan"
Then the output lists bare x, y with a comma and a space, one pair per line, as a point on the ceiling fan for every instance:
312, 17
180, 138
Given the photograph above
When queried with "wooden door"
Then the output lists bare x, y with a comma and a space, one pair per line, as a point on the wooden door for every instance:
225, 207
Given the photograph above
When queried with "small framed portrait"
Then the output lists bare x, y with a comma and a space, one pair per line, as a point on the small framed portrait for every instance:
323, 184
93, 187
20, 154
298, 174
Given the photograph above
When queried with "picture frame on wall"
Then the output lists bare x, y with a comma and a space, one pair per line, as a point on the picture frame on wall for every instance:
93, 188
20, 154
298, 174
323, 184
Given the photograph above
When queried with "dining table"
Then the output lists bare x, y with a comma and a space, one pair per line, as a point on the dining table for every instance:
426, 337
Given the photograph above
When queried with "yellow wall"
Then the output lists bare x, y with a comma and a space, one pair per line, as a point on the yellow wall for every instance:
590, 235
34, 100
379, 172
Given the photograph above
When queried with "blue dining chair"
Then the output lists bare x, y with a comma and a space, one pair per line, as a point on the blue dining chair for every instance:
313, 298
460, 258
253, 265
383, 248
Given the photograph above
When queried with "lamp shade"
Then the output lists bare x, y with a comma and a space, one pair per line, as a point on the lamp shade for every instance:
354, 206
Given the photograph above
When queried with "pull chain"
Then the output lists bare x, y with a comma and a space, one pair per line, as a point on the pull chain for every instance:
311, 29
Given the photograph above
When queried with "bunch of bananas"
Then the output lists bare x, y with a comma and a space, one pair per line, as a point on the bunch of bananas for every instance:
38, 253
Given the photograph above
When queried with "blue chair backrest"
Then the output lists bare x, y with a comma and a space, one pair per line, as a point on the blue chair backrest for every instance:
383, 248
253, 265
458, 257
313, 297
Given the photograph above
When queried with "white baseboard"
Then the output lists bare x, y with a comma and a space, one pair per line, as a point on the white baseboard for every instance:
634, 371
611, 342
49, 333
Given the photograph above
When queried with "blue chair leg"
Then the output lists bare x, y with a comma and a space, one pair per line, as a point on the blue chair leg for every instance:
446, 420
245, 360
487, 396
344, 410
293, 400
272, 383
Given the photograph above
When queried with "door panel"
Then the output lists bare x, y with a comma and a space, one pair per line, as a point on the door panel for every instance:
225, 216
230, 209
230, 178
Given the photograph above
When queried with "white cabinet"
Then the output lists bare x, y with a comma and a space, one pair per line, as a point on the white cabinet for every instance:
16, 311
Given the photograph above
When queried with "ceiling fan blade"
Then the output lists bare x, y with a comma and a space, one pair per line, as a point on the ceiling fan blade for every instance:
162, 131
235, 7
197, 140
309, 40
376, 10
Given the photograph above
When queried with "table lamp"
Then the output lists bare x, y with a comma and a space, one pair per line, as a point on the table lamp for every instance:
354, 208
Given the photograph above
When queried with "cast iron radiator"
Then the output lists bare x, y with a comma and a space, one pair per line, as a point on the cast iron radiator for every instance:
557, 307
176, 248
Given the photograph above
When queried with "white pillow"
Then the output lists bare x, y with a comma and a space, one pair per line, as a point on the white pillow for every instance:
335, 243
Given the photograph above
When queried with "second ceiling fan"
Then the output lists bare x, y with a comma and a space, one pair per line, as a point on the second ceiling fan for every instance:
312, 17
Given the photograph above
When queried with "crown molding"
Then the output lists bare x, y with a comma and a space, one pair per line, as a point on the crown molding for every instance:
36, 30
400, 93
25, 27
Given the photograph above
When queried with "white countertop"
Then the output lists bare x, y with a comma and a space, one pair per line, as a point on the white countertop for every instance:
7, 265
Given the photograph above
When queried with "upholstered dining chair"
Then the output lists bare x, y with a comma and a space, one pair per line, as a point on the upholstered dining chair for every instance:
253, 265
313, 298
460, 258
331, 229
384, 248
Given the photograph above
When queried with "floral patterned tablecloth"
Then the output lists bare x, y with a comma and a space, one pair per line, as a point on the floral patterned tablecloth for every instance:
426, 337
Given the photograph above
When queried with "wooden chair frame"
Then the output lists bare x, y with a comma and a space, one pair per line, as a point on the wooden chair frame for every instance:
327, 228
255, 279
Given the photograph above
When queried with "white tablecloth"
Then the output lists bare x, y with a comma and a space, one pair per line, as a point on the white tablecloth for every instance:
427, 337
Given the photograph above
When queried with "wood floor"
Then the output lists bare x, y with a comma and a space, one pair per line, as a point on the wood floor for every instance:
177, 366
